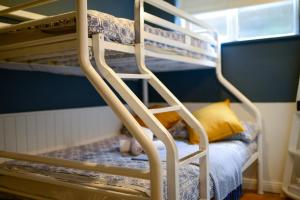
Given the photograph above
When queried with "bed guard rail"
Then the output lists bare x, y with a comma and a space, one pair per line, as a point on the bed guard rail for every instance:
252, 109
209, 38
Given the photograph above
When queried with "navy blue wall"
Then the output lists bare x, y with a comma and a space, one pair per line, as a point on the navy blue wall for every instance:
120, 8
265, 70
31, 91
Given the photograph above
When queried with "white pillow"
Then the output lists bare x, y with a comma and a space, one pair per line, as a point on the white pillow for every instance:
249, 135
136, 148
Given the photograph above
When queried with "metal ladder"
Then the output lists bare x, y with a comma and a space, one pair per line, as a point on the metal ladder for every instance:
289, 187
147, 115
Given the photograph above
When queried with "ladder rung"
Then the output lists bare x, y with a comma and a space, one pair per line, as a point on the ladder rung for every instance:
165, 109
134, 76
190, 158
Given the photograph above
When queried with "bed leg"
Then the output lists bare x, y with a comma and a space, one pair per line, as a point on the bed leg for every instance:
260, 187
204, 178
260, 174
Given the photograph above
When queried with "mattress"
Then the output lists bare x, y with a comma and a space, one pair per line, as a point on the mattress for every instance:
107, 152
114, 29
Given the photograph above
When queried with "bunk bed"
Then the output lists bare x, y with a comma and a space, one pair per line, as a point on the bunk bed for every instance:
102, 44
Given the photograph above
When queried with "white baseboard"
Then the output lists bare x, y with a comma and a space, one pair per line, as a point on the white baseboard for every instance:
269, 186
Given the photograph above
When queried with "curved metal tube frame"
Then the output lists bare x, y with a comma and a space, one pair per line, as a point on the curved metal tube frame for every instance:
255, 112
113, 101
172, 154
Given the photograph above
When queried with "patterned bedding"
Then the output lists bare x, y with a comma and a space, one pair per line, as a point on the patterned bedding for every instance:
114, 29
107, 152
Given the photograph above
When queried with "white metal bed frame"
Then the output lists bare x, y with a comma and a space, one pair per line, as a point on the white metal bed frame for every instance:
82, 42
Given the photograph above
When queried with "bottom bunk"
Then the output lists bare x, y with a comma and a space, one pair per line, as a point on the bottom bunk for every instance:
227, 161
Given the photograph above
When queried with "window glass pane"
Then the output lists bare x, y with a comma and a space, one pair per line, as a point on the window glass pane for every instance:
217, 20
266, 20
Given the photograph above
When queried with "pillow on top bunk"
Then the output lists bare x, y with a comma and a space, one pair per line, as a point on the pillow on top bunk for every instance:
218, 120
168, 119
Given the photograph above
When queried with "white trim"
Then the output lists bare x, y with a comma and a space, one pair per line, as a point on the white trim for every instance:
269, 186
232, 22
203, 6
263, 37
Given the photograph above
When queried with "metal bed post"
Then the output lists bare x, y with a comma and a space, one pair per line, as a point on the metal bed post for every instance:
145, 92
115, 103
252, 108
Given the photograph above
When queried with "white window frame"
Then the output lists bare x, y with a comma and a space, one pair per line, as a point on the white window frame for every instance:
232, 24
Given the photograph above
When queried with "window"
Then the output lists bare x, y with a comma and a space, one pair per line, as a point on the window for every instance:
260, 21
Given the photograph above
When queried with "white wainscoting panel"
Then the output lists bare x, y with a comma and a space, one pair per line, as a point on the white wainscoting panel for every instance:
2, 138
42, 131
10, 133
21, 134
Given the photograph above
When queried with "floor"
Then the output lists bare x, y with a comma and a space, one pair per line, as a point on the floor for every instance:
249, 195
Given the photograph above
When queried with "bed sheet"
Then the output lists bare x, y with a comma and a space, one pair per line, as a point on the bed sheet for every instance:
107, 152
114, 29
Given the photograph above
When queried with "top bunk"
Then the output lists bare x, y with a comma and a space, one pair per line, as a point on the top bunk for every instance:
50, 43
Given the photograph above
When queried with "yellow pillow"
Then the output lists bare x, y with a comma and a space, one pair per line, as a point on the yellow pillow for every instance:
218, 120
168, 119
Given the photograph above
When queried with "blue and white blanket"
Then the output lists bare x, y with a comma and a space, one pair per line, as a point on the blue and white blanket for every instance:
226, 159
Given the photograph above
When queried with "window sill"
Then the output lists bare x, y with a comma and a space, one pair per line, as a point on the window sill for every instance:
261, 40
